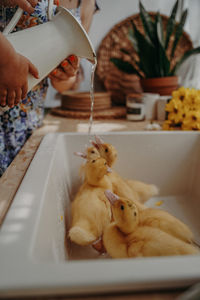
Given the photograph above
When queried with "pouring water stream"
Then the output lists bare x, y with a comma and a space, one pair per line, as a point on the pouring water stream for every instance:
92, 96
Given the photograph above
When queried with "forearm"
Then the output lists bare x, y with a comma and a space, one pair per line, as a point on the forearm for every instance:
87, 12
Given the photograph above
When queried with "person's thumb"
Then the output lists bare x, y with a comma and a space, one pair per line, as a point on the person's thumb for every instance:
33, 70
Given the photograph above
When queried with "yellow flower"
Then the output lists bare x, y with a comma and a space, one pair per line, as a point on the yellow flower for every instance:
176, 117
175, 110
193, 116
173, 106
183, 110
168, 125
198, 93
192, 98
180, 94
190, 126
191, 121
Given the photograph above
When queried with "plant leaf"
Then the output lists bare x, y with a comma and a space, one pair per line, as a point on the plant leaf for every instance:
147, 54
124, 66
171, 24
147, 22
163, 61
185, 56
130, 54
131, 37
125, 51
179, 31
159, 28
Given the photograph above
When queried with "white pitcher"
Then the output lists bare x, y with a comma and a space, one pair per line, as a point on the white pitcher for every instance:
48, 44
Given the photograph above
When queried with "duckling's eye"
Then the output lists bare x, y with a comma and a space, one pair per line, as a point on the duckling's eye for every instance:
92, 151
93, 161
106, 150
122, 207
135, 214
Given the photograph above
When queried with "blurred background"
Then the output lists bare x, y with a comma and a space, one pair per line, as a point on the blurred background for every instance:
113, 12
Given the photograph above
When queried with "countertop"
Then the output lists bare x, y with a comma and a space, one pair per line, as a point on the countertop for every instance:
13, 176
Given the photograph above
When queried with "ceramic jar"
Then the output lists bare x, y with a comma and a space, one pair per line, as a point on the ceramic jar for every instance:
135, 109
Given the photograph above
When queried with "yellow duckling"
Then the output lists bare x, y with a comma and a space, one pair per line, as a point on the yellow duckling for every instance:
109, 153
91, 153
90, 210
136, 190
127, 237
105, 150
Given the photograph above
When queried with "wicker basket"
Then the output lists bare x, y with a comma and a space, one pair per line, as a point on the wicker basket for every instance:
116, 82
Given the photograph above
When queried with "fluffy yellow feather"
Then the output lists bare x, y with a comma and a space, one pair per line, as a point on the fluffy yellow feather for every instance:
138, 191
128, 236
90, 210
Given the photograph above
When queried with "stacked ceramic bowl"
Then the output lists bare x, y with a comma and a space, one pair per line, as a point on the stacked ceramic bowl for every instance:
81, 101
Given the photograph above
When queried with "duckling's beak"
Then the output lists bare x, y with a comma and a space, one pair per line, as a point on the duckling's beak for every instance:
81, 154
109, 170
111, 197
94, 144
98, 142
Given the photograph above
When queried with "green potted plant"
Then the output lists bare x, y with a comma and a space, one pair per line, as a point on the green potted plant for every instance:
154, 52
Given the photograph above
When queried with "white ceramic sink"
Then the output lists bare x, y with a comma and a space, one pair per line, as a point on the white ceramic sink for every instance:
34, 258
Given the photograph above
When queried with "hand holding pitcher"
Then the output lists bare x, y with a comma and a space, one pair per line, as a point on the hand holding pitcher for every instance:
14, 88
65, 77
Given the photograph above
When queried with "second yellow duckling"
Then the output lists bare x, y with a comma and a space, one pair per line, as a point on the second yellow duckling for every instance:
132, 189
90, 210
127, 237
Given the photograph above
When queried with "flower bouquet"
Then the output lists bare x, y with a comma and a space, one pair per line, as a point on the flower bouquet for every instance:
183, 110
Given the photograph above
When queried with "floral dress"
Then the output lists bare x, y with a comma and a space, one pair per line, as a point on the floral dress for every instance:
18, 123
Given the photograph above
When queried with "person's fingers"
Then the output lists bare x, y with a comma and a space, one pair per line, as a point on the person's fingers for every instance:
68, 68
74, 61
11, 98
33, 70
3, 98
18, 96
24, 91
58, 74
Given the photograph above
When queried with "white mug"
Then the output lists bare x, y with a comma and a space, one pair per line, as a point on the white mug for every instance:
149, 100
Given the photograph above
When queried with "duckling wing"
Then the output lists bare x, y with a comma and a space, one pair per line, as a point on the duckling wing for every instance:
145, 191
147, 241
163, 220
